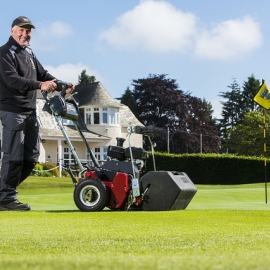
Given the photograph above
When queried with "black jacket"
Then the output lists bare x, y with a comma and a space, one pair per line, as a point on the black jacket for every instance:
20, 76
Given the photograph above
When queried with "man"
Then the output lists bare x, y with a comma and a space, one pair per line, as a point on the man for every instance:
21, 75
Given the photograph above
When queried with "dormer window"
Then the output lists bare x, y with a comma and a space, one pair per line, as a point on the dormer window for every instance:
102, 116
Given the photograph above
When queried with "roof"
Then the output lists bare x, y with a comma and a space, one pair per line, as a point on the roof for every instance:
49, 127
127, 118
90, 94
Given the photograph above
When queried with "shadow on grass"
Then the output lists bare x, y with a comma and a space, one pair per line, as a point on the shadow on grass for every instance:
62, 211
107, 210
79, 211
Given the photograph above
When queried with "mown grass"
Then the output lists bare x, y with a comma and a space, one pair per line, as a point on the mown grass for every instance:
224, 227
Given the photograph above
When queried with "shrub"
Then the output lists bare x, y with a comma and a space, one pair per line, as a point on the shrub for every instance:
37, 169
51, 168
65, 173
46, 174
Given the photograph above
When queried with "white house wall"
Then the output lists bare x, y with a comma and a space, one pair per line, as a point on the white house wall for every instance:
42, 157
51, 149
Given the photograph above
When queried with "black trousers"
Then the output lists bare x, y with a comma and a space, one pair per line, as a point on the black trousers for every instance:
20, 147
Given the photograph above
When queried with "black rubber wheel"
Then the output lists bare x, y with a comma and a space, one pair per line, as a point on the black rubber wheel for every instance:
90, 195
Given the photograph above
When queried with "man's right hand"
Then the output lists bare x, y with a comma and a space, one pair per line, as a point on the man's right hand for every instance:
48, 86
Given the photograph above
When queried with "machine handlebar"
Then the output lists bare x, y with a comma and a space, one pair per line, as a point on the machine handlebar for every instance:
62, 86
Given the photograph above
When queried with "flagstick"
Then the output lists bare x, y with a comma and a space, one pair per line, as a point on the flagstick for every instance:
263, 99
264, 148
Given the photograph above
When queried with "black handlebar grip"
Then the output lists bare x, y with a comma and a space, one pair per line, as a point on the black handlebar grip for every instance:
62, 87
65, 84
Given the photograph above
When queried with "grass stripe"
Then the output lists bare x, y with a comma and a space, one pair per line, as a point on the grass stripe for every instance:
224, 227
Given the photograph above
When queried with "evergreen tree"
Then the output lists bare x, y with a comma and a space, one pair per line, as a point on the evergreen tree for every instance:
210, 110
128, 100
250, 89
84, 78
238, 103
232, 108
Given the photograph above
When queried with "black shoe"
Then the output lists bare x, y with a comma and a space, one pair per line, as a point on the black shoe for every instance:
15, 206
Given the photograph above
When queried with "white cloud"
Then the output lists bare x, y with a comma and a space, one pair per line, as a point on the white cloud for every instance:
69, 72
154, 26
60, 30
157, 26
229, 39
48, 37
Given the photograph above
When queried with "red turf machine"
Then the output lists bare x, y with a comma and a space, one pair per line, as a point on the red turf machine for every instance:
120, 183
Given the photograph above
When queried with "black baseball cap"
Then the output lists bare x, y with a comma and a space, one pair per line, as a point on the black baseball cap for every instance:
21, 21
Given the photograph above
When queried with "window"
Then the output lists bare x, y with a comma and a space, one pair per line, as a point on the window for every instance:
97, 153
105, 150
117, 118
96, 116
112, 116
100, 154
68, 157
88, 116
105, 115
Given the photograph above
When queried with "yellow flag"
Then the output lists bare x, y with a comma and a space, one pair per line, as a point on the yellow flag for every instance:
263, 96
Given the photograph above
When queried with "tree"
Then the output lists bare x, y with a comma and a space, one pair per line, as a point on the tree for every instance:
128, 100
156, 99
198, 129
250, 89
234, 109
247, 138
210, 110
84, 78
238, 103
161, 104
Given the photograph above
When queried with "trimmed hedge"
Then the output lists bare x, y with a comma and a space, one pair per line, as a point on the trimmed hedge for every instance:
212, 169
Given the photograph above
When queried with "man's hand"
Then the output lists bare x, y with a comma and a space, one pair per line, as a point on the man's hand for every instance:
48, 86
70, 89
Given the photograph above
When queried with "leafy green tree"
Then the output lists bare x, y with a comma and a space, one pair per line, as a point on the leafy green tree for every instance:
83, 78
247, 138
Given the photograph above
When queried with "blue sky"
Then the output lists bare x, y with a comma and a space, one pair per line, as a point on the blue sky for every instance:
203, 44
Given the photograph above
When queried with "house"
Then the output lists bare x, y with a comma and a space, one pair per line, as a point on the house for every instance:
105, 119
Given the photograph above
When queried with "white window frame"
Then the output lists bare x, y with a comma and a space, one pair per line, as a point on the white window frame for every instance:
88, 113
67, 155
102, 115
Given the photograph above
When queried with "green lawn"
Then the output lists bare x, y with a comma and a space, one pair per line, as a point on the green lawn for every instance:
224, 227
